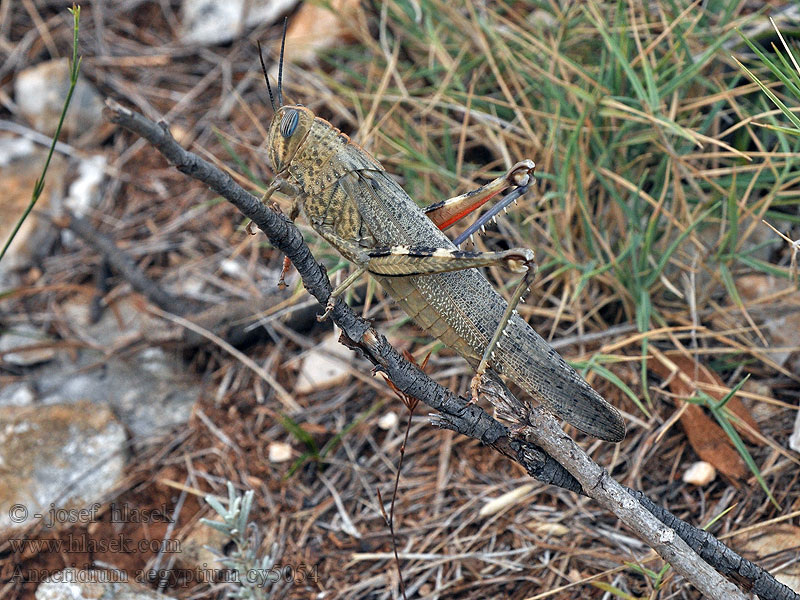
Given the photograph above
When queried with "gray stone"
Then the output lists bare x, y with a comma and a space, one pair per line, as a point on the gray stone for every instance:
17, 394
86, 191
20, 345
214, 22
68, 455
149, 392
40, 92
149, 396
74, 584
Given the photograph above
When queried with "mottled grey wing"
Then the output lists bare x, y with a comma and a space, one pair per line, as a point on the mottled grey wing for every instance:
472, 307
545, 375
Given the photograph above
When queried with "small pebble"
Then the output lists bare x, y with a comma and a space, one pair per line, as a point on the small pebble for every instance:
279, 452
388, 421
700, 473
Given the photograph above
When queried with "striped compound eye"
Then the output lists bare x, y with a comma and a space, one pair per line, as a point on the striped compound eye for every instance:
289, 122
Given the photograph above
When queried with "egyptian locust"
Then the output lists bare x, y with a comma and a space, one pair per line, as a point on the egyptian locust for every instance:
350, 200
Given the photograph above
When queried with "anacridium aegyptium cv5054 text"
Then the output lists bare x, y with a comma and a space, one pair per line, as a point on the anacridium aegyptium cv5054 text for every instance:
350, 200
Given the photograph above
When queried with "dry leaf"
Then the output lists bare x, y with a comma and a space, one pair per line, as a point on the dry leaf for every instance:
781, 543
706, 437
711, 443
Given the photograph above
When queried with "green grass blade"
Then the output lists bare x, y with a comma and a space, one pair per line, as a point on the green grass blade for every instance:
73, 81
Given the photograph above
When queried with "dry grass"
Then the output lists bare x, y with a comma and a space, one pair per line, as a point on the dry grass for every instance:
647, 213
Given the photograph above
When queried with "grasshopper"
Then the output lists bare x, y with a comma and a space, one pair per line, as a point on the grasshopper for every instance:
350, 200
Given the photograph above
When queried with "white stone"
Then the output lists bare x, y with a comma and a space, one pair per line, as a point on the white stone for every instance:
232, 268
794, 439
279, 452
700, 473
213, 22
40, 92
18, 394
324, 366
14, 148
388, 420
84, 192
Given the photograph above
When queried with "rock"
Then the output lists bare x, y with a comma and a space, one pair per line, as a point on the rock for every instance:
212, 22
14, 148
279, 452
319, 26
233, 268
40, 92
85, 192
121, 321
70, 455
325, 365
700, 473
74, 584
794, 439
191, 286
20, 343
148, 391
388, 420
17, 394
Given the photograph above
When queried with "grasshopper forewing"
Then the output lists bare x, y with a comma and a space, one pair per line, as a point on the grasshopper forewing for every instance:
350, 200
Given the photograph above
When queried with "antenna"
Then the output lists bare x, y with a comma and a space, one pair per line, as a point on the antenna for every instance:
280, 63
266, 78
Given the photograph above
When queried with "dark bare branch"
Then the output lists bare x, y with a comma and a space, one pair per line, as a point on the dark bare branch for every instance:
471, 420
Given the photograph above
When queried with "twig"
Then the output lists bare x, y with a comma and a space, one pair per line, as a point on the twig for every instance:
394, 498
123, 263
230, 320
455, 414
599, 485
411, 404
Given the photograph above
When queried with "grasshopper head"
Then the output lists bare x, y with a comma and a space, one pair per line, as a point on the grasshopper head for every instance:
290, 124
289, 128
